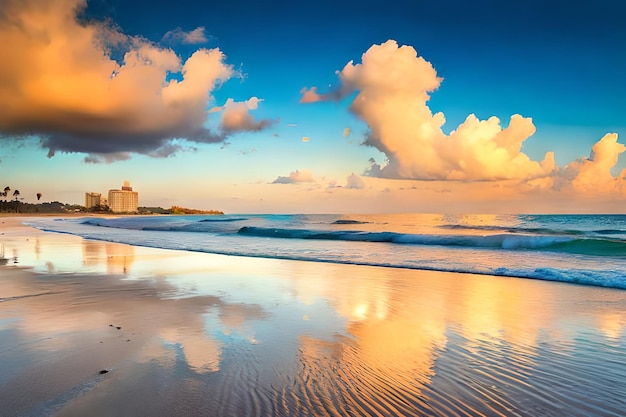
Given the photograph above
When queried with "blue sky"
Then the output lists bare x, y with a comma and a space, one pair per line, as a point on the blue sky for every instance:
559, 63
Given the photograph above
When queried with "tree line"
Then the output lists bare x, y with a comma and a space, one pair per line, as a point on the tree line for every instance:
12, 202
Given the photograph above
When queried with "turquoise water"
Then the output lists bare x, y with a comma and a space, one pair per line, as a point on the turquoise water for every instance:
583, 249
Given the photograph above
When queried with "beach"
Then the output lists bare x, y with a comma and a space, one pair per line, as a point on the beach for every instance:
89, 327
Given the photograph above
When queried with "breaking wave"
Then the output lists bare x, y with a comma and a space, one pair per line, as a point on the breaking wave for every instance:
590, 253
585, 246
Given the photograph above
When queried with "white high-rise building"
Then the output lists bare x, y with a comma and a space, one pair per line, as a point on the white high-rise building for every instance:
125, 200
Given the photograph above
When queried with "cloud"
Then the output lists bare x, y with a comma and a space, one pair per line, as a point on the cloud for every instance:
108, 158
179, 36
393, 87
236, 116
248, 151
593, 175
332, 184
295, 177
354, 182
58, 80
311, 96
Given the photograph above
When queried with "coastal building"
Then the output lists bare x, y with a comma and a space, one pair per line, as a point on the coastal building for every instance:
93, 200
125, 200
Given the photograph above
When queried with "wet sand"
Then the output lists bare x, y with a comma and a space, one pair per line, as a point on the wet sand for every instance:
103, 329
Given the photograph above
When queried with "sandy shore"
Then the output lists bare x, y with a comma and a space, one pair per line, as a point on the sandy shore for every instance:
102, 329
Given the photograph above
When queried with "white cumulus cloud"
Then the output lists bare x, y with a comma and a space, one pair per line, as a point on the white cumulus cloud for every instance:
393, 87
593, 175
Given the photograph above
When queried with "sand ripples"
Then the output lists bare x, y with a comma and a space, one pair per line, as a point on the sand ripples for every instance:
268, 338
480, 378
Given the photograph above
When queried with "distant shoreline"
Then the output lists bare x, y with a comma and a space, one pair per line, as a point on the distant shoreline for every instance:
83, 214
66, 215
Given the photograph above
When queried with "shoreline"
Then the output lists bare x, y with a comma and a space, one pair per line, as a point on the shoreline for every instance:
587, 272
180, 333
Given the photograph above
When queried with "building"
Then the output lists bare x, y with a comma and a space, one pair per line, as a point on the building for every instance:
125, 200
93, 200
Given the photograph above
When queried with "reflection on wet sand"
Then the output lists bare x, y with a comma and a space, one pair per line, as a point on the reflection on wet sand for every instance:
473, 336
119, 258
392, 337
92, 252
213, 335
76, 325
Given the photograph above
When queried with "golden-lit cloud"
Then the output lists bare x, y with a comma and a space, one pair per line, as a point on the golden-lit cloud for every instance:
59, 81
585, 178
310, 95
393, 86
236, 116
593, 175
295, 177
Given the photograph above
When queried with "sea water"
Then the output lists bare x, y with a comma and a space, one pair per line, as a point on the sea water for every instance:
583, 249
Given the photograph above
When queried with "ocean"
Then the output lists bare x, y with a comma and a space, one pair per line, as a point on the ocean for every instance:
582, 249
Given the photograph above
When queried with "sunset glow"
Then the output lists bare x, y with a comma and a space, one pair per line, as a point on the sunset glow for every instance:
231, 108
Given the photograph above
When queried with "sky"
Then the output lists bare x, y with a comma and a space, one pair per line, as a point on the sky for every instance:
317, 107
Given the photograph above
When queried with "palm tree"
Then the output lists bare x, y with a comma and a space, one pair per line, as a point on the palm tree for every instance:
4, 194
16, 194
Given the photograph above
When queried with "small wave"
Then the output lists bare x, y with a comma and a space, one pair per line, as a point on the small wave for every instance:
610, 232
172, 225
514, 229
222, 219
124, 223
585, 246
96, 222
348, 221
